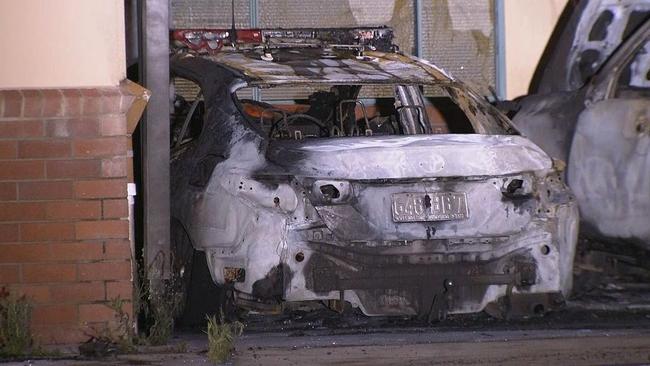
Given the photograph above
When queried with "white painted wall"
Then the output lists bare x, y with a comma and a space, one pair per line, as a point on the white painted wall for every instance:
528, 26
61, 43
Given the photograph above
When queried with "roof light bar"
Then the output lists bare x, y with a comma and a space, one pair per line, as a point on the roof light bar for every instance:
209, 41
212, 40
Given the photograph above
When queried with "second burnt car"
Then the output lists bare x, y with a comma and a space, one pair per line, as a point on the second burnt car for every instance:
335, 197
590, 107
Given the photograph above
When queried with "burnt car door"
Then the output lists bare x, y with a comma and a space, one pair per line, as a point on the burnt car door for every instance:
586, 36
609, 163
588, 107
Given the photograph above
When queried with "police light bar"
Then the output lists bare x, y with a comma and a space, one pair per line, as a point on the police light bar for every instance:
209, 41
212, 40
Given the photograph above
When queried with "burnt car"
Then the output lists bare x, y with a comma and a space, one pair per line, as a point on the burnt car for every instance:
339, 198
590, 107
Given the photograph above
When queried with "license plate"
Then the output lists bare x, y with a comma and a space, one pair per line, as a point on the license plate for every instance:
435, 206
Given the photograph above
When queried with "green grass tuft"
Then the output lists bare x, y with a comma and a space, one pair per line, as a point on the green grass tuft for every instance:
221, 338
15, 319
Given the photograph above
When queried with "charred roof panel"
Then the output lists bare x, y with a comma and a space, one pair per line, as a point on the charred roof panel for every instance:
313, 67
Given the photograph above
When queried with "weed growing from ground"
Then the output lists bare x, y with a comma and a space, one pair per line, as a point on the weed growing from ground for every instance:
163, 308
123, 334
221, 338
15, 320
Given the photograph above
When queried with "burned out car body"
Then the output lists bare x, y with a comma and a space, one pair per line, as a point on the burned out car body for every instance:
590, 106
404, 222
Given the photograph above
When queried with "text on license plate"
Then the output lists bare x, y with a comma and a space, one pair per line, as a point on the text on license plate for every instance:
433, 206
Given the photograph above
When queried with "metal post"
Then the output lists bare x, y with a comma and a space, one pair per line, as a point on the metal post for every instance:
418, 28
155, 139
253, 13
254, 17
500, 54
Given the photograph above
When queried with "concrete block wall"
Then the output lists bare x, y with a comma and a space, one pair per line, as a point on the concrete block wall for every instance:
64, 229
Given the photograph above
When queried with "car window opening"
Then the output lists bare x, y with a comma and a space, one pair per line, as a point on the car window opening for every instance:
343, 110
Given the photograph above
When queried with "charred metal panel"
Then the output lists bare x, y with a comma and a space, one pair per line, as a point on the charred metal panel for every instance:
603, 27
550, 121
585, 37
314, 67
609, 169
400, 286
599, 126
396, 157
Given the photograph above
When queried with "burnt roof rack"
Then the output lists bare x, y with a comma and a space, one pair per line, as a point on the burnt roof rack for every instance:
211, 41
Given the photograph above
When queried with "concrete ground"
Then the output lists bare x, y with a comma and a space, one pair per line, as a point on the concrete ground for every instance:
607, 322
584, 347
576, 338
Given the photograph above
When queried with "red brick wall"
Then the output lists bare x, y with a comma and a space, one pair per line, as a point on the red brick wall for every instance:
64, 232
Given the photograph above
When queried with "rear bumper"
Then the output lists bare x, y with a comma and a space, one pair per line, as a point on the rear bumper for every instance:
286, 258
430, 277
528, 269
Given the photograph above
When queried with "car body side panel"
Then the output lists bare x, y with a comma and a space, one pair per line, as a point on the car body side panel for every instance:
599, 130
609, 169
550, 120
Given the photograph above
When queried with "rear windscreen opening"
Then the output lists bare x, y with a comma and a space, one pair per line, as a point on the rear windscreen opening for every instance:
349, 110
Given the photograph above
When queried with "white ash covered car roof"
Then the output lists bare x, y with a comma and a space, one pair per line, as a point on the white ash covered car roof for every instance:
317, 66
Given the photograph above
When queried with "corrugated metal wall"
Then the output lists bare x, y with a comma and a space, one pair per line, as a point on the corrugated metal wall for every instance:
457, 35
209, 13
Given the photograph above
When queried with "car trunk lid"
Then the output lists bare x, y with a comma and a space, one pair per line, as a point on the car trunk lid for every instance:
426, 187
404, 157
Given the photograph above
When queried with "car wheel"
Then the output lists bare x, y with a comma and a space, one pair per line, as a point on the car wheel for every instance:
182, 261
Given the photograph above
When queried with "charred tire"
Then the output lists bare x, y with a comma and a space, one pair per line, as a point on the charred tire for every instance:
193, 282
182, 261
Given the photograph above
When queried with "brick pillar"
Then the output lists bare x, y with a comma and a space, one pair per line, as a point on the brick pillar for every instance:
64, 232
